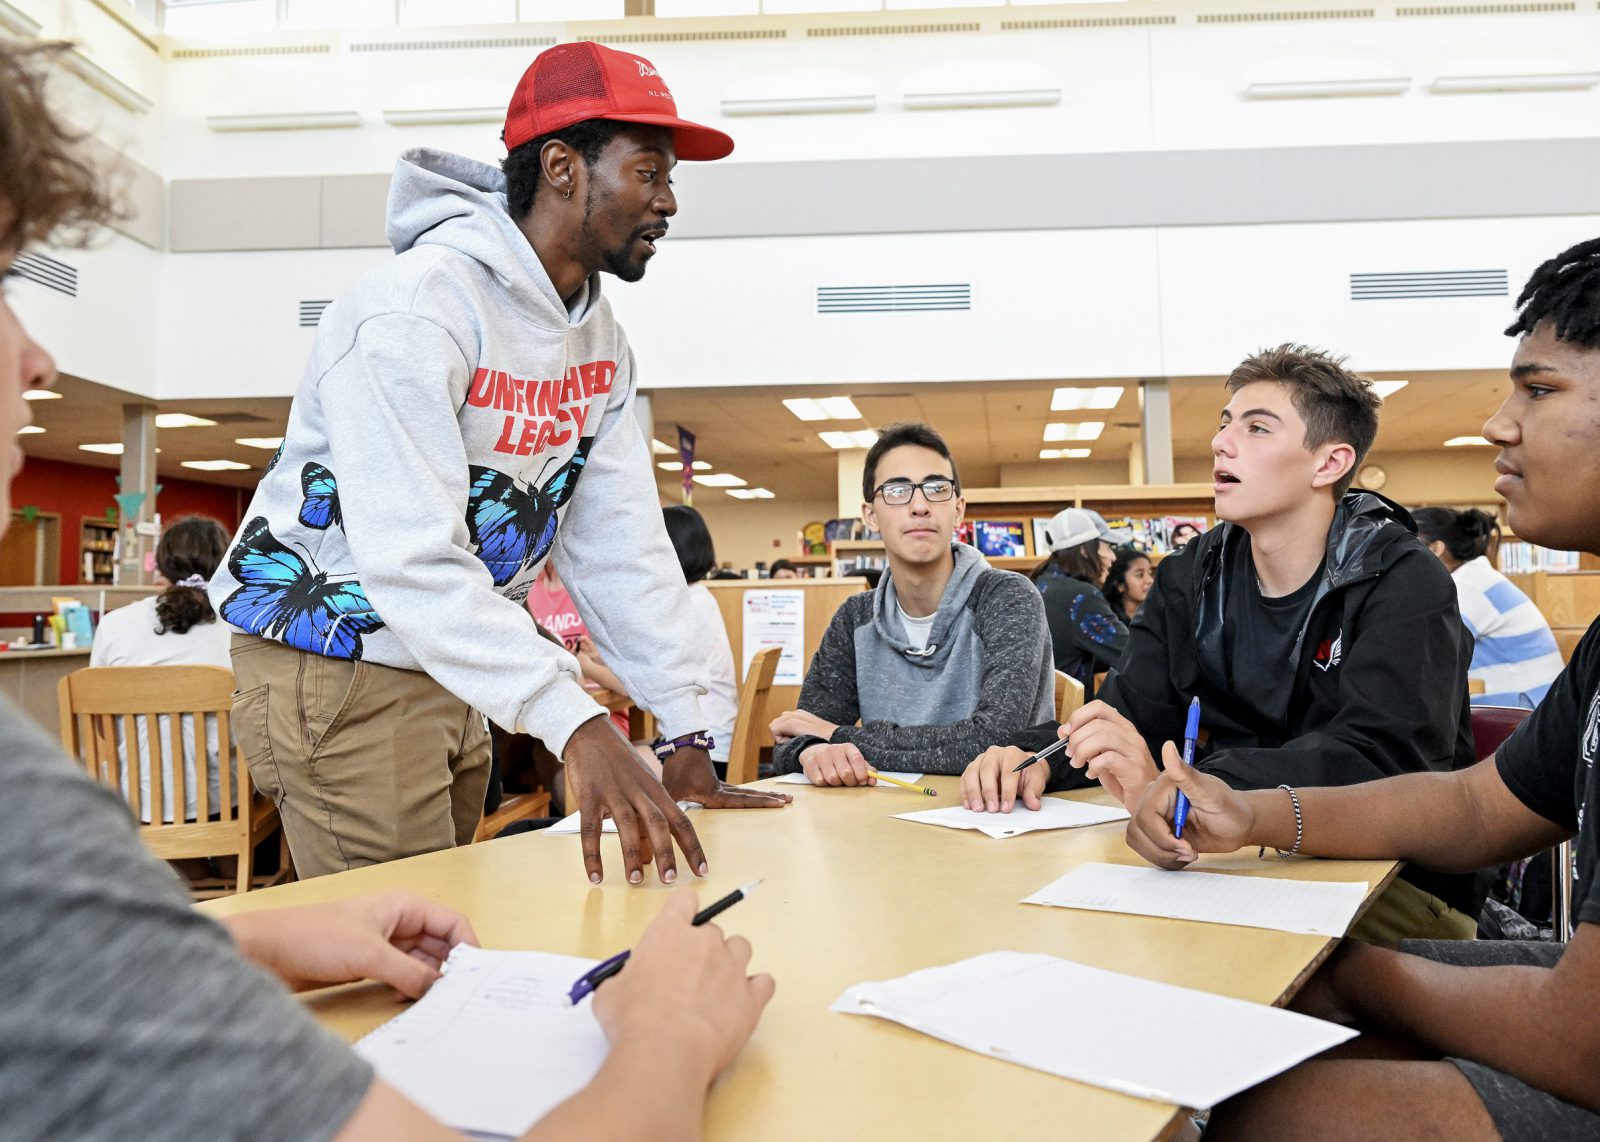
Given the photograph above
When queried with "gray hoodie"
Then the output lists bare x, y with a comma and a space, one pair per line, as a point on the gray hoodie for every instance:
450, 409
985, 673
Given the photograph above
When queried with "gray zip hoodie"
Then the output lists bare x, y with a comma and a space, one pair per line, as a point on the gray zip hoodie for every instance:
985, 673
450, 409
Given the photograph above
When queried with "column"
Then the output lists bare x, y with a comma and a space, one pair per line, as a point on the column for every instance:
138, 475
1155, 438
852, 463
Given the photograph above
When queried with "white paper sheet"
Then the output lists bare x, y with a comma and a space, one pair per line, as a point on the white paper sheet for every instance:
802, 779
1056, 814
494, 1046
1150, 1040
1307, 907
776, 618
569, 824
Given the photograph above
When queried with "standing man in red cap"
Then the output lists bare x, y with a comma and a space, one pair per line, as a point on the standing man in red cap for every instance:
465, 415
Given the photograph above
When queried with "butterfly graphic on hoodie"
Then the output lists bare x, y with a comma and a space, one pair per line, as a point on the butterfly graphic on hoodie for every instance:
283, 596
321, 505
514, 528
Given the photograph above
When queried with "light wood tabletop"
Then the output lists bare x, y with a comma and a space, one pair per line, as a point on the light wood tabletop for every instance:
851, 895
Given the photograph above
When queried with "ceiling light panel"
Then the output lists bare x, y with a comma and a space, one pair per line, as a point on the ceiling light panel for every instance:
29, 430
1466, 442
1074, 400
216, 465
268, 443
864, 438
1082, 430
677, 466
1387, 389
825, 408
41, 394
661, 449
751, 494
182, 420
108, 449
1063, 453
720, 480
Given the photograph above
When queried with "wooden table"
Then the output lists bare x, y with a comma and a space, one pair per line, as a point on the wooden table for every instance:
852, 895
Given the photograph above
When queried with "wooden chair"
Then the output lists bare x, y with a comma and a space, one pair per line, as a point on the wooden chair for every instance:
1476, 686
744, 753
513, 807
98, 701
1069, 695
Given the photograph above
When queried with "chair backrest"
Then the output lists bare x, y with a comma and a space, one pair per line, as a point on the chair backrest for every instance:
744, 753
1492, 725
1069, 695
98, 704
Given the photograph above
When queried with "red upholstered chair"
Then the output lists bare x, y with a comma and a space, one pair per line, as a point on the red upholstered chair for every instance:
1492, 725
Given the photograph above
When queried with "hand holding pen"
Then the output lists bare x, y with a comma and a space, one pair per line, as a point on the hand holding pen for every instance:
1191, 734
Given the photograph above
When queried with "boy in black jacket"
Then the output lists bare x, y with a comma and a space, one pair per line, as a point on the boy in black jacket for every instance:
1324, 646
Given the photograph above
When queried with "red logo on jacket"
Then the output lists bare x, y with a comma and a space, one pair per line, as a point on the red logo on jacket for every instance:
1329, 652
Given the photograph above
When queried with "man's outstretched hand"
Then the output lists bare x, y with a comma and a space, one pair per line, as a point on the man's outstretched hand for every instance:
687, 776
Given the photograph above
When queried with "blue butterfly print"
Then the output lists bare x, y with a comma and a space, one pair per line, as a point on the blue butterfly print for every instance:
513, 528
321, 506
283, 597
273, 463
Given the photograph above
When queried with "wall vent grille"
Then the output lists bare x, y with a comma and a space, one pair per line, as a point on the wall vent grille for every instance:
894, 298
311, 312
278, 50
895, 30
1275, 17
452, 45
41, 269
1088, 22
1428, 284
1486, 9
684, 37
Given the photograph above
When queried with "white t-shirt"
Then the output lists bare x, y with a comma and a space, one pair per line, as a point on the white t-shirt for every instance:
720, 704
127, 637
917, 630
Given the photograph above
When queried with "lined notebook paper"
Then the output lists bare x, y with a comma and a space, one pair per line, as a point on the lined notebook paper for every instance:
1056, 813
1314, 909
494, 1046
1150, 1040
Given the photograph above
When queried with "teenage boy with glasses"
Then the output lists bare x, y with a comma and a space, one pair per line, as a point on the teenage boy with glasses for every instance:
946, 657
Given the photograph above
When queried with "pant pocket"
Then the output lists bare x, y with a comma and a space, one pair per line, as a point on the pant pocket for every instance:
335, 703
251, 735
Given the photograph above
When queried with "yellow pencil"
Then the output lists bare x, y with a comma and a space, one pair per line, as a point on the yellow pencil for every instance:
903, 784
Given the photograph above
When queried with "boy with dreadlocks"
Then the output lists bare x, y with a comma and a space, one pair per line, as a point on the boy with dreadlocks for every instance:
1470, 1039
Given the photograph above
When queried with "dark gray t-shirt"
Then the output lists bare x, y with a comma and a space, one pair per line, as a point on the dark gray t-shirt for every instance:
127, 1014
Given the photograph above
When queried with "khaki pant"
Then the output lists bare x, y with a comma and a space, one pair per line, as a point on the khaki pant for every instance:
1405, 912
366, 763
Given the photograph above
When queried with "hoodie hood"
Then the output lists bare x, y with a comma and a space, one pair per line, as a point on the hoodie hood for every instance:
1362, 542
440, 199
886, 610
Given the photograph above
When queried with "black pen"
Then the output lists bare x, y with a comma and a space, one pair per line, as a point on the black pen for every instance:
605, 969
1044, 754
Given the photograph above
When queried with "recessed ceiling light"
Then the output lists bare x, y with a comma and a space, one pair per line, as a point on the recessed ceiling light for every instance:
265, 442
30, 430
1071, 400
661, 449
750, 494
41, 394
108, 449
862, 438
677, 466
825, 408
1387, 389
182, 420
1465, 441
1082, 430
1063, 453
217, 465
720, 480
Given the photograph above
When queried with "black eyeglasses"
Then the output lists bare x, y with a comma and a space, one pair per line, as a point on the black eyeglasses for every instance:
899, 492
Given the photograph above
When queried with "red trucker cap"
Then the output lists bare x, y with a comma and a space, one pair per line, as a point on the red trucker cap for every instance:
572, 82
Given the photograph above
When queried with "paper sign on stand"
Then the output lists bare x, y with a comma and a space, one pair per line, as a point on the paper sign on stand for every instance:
777, 618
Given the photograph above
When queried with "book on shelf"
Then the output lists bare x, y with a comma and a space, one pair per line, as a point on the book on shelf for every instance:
1520, 558
999, 537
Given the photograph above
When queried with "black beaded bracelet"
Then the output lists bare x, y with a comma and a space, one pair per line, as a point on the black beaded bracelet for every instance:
1299, 828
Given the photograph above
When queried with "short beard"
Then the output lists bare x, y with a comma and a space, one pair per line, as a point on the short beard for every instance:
616, 262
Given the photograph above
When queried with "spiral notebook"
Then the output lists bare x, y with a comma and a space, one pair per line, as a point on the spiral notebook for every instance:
494, 1046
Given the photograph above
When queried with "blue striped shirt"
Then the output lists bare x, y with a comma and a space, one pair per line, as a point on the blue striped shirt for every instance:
1516, 656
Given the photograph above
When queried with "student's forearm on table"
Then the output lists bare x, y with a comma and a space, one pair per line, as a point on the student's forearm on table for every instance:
1525, 1021
639, 1093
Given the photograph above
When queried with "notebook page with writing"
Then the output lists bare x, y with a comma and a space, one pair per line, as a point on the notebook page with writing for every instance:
1306, 907
1100, 1027
494, 1046
1055, 813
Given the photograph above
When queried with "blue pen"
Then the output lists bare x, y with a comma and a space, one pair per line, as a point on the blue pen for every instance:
605, 969
1191, 731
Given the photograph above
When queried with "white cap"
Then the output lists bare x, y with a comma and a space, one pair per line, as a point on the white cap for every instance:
1072, 526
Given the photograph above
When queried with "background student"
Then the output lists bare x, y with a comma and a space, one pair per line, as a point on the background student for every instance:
697, 555
175, 628
1086, 635
945, 657
1485, 1039
1321, 637
783, 569
1128, 582
130, 1015
1514, 654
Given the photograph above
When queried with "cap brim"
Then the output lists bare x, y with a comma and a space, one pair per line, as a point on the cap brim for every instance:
691, 141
